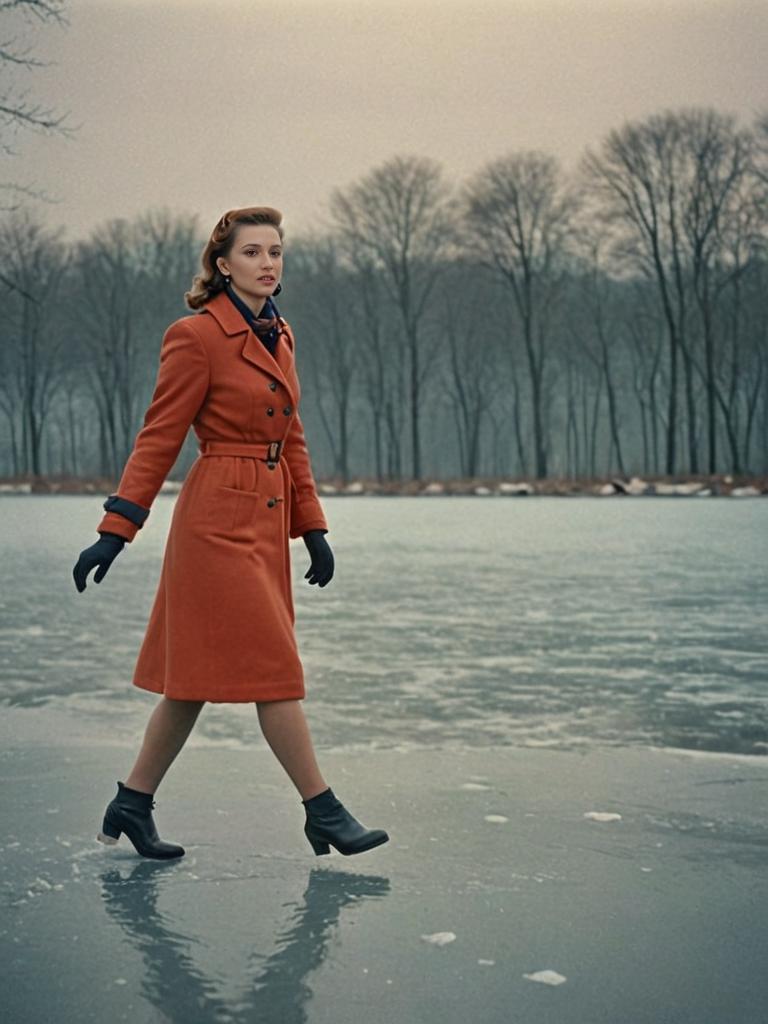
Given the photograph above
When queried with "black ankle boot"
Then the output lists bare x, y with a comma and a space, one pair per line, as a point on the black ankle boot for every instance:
131, 812
328, 821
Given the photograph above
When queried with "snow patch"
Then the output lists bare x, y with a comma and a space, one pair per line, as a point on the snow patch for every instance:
602, 816
440, 938
547, 977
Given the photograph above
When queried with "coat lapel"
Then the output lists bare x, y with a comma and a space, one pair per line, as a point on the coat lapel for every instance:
232, 323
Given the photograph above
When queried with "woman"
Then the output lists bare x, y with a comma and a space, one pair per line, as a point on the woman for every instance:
222, 623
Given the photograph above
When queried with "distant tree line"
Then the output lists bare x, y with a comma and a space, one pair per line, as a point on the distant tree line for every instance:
524, 322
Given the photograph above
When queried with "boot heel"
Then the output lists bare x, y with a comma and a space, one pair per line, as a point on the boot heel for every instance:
109, 833
319, 846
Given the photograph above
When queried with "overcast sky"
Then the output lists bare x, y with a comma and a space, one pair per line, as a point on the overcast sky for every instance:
202, 106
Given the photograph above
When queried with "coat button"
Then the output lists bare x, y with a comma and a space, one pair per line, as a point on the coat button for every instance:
271, 502
287, 410
270, 411
273, 385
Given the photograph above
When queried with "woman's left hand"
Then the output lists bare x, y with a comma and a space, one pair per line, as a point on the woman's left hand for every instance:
321, 569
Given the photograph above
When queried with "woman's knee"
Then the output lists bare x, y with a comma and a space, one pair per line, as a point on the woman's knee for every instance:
185, 705
259, 704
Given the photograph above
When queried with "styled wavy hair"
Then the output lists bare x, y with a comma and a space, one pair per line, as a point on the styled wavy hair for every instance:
211, 281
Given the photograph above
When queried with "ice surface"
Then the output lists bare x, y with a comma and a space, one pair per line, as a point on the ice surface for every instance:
552, 624
249, 925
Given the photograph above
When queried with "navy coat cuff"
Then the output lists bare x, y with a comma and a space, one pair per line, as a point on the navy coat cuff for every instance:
135, 513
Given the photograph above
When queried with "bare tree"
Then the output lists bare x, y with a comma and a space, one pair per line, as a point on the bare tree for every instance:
668, 187
382, 364
33, 349
331, 351
518, 214
637, 177
398, 215
469, 364
760, 151
741, 327
720, 223
754, 326
572, 451
17, 113
644, 329
594, 325
128, 274
168, 246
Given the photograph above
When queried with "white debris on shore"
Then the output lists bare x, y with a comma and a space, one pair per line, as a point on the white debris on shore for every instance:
635, 486
745, 492
513, 488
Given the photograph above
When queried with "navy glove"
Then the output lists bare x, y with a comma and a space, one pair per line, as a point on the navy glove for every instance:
102, 553
321, 569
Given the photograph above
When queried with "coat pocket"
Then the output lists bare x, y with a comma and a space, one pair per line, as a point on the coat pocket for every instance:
234, 509
236, 512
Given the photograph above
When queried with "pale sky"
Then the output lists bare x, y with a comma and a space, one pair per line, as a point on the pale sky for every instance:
202, 106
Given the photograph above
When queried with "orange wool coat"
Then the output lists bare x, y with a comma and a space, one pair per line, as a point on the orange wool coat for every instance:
222, 624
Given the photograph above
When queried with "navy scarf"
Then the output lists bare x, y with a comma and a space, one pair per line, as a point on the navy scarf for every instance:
265, 327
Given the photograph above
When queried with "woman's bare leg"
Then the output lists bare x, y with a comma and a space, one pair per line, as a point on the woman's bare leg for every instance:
169, 725
286, 731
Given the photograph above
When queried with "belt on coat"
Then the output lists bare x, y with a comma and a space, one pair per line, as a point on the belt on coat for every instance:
267, 451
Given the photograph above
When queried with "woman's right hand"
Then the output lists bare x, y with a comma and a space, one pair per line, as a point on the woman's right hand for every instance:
102, 553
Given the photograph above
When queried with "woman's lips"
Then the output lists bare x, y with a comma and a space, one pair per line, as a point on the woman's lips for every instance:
267, 280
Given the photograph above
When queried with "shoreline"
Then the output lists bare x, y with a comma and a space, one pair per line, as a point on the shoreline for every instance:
678, 485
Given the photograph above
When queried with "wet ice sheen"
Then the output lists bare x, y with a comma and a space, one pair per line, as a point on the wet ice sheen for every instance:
247, 927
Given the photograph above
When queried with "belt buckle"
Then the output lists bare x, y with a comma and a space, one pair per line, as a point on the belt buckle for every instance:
273, 453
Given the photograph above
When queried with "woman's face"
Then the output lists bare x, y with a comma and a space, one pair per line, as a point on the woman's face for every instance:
256, 254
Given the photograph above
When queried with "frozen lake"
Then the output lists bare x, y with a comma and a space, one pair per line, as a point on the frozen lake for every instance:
450, 621
594, 881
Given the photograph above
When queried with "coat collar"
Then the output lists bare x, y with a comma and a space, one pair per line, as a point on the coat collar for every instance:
232, 322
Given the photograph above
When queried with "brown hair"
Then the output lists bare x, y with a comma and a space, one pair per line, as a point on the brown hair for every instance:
211, 281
